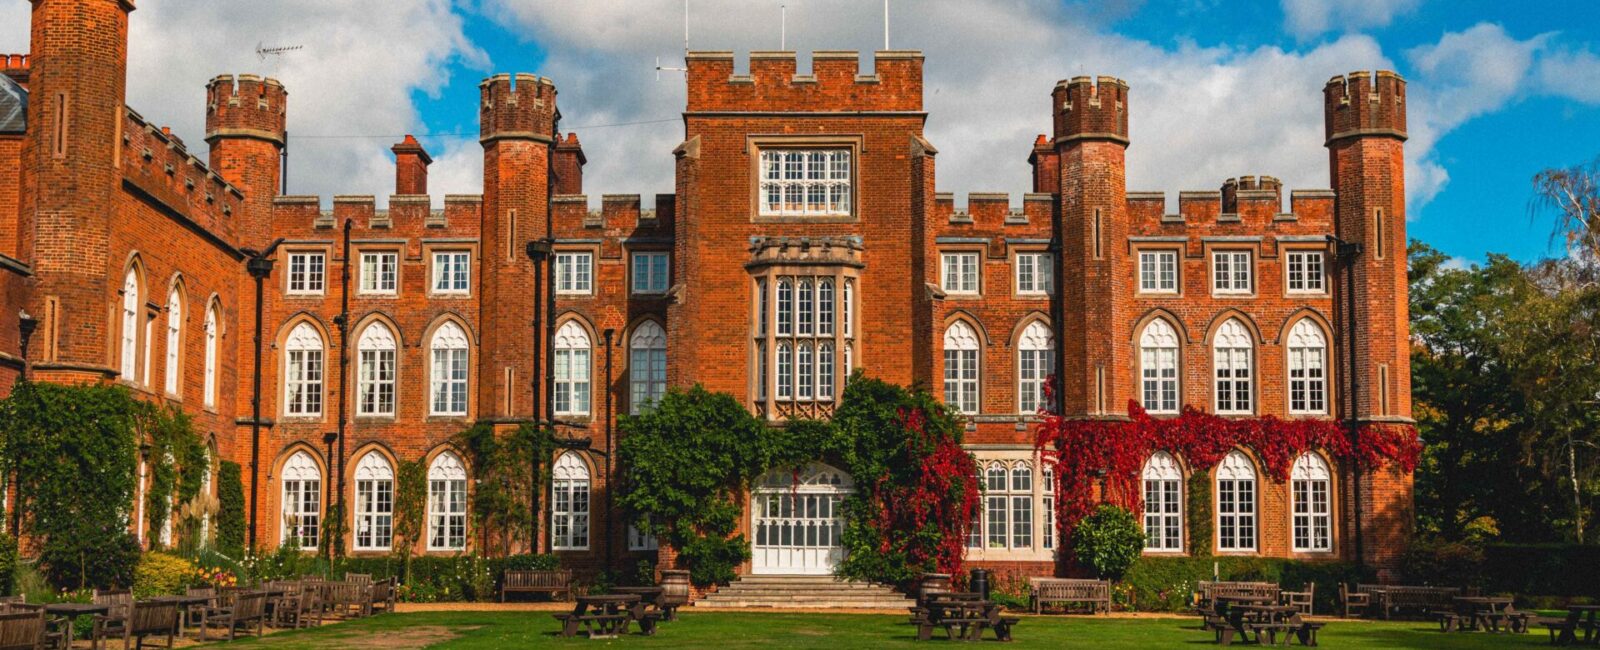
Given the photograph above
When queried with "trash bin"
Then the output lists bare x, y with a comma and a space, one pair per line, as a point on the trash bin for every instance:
979, 582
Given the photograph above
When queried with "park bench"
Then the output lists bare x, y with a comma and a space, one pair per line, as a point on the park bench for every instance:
554, 582
1094, 593
1421, 600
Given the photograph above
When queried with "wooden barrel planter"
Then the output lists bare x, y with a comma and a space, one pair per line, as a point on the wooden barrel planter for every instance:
932, 583
674, 588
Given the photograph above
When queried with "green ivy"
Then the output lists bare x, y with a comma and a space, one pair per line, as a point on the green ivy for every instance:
176, 459
410, 500
508, 467
72, 452
1198, 513
230, 508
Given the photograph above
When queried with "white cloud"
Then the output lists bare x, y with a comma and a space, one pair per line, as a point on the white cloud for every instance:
14, 26
1574, 74
1309, 18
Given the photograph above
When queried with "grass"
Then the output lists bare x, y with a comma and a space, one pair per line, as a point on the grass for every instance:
728, 630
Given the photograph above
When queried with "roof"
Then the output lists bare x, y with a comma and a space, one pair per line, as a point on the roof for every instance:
13, 106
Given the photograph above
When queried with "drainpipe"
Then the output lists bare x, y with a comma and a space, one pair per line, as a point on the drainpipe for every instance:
343, 323
550, 297
537, 251
610, 486
259, 265
1346, 253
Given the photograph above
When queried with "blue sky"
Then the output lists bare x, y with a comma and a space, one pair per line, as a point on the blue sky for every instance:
1499, 90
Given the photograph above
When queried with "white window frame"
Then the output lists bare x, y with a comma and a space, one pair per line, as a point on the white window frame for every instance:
210, 389
805, 182
447, 503
639, 540
574, 273
377, 385
449, 370
374, 504
1311, 281
1162, 482
304, 372
1233, 369
1226, 276
1035, 273
1159, 375
307, 274
574, 379
380, 273
1153, 265
1036, 359
1237, 504
961, 273
130, 325
452, 272
570, 509
1311, 509
301, 483
962, 369
1007, 510
173, 376
652, 272
647, 366
1308, 369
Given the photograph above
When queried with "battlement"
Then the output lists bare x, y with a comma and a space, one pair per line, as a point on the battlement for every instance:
15, 66
1087, 108
618, 212
158, 163
1251, 190
835, 83
246, 106
1365, 104
520, 106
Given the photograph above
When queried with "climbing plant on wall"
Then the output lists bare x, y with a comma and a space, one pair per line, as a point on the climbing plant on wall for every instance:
509, 466
175, 456
1113, 452
230, 508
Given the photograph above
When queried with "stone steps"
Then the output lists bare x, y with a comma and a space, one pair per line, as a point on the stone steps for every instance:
812, 592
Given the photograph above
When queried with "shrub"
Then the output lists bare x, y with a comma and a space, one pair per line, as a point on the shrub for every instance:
163, 574
1443, 563
8, 565
1168, 583
1108, 541
230, 508
711, 560
1566, 570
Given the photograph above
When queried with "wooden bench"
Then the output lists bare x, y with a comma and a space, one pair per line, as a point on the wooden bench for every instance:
1422, 600
554, 582
1094, 593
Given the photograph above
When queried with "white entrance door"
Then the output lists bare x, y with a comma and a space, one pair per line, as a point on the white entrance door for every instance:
796, 519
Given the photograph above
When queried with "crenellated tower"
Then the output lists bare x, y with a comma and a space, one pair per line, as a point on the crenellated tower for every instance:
517, 126
246, 126
1365, 117
77, 82
1091, 142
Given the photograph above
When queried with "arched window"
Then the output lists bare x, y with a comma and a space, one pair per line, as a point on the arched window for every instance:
1035, 363
961, 367
447, 503
302, 501
1313, 520
211, 356
375, 364
172, 512
1231, 358
374, 503
302, 377
1048, 512
572, 370
130, 324
849, 305
174, 374
1308, 379
824, 307
447, 385
802, 311
1158, 367
569, 503
785, 307
647, 365
1163, 504
1236, 503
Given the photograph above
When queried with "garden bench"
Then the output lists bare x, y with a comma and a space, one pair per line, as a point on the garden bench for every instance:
153, 618
1094, 593
1304, 600
348, 599
554, 582
1423, 600
22, 630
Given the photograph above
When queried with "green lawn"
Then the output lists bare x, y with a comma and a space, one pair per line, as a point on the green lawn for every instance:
832, 631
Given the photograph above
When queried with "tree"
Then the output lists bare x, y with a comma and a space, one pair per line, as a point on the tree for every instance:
1573, 194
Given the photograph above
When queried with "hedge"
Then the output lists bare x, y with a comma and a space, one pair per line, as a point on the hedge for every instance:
1542, 569
446, 579
1167, 583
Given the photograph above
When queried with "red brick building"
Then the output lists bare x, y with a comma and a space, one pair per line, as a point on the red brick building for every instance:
805, 238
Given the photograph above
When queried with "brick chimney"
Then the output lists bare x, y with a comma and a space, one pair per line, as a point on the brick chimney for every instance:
410, 167
569, 165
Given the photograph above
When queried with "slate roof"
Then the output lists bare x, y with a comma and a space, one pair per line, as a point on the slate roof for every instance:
13, 106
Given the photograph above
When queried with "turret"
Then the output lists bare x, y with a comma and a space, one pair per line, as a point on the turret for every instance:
245, 126
517, 119
1091, 109
1362, 104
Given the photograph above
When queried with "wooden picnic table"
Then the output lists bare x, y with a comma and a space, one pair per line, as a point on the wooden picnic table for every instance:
650, 598
601, 617
1260, 618
968, 611
1471, 612
1580, 616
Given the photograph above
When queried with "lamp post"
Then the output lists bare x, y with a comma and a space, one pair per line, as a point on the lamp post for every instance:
26, 324
1346, 253
259, 265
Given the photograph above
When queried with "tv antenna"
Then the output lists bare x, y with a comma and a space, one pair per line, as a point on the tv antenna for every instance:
783, 27
263, 52
684, 69
885, 24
